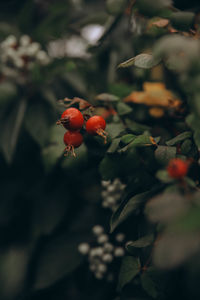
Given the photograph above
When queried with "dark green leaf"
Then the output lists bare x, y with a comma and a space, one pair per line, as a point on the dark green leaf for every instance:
124, 211
114, 129
58, 258
130, 268
38, 121
114, 145
163, 176
123, 109
126, 139
163, 154
179, 138
107, 97
182, 20
8, 91
144, 61
54, 150
10, 128
141, 243
141, 140
149, 285
114, 7
136, 127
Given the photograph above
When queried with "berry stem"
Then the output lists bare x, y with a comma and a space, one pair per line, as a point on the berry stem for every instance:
103, 134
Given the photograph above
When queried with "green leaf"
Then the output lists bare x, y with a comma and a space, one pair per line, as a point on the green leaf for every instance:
173, 249
54, 150
125, 210
10, 128
115, 7
163, 154
136, 127
13, 259
123, 109
140, 243
149, 285
114, 145
163, 176
179, 138
126, 139
141, 140
144, 61
57, 258
38, 121
104, 97
194, 122
130, 268
8, 92
186, 147
182, 20
149, 8
108, 168
114, 129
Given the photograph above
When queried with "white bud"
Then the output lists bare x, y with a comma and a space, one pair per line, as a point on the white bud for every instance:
105, 183
42, 57
102, 268
120, 237
111, 188
25, 40
119, 251
111, 200
11, 53
108, 247
11, 40
98, 275
92, 267
104, 194
19, 63
103, 238
105, 204
22, 51
92, 252
99, 251
33, 49
107, 258
84, 248
97, 230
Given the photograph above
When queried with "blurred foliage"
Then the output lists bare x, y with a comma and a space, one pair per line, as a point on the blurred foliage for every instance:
142, 73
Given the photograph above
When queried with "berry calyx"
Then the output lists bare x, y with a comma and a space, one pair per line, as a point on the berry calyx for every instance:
71, 119
95, 126
72, 139
177, 168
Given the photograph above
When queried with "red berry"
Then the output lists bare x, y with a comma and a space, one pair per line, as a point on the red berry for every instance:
72, 139
72, 119
177, 168
96, 125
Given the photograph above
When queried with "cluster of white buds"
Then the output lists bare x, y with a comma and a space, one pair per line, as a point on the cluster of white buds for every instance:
111, 193
20, 54
102, 254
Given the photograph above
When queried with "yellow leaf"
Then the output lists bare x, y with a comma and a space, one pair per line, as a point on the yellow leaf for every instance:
156, 112
155, 94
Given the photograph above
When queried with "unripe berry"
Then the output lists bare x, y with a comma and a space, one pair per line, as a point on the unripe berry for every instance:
72, 119
177, 168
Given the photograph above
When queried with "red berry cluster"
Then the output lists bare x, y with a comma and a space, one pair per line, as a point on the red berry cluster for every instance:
73, 120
